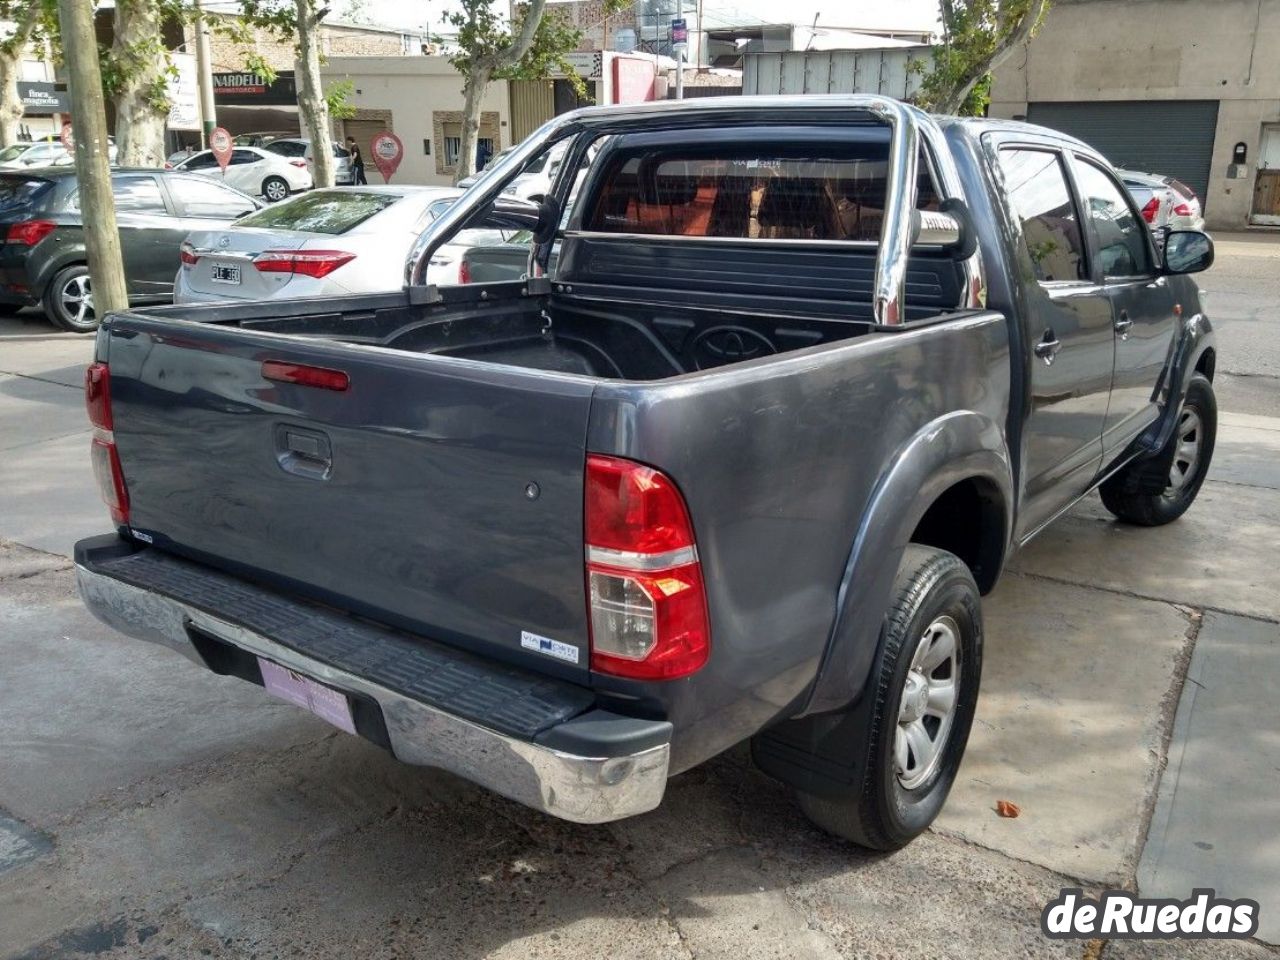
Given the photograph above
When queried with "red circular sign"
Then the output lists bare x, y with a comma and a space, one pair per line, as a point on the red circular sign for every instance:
387, 152
69, 138
221, 144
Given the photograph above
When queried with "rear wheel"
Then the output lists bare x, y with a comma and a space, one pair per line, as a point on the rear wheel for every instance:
925, 690
1159, 489
69, 300
275, 189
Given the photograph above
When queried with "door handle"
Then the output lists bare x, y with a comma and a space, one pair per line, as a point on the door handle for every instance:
1123, 325
1048, 347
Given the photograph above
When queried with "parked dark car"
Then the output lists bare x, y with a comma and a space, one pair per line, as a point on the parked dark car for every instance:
807, 373
43, 260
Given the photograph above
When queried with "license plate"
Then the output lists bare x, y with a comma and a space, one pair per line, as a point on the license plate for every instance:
224, 273
325, 702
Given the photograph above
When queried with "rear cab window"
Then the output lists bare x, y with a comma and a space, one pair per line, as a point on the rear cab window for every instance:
330, 212
751, 191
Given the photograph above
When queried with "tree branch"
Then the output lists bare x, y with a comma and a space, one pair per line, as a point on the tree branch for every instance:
1003, 48
513, 54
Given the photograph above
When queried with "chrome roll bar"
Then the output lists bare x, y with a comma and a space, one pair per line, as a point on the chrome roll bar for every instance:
908, 128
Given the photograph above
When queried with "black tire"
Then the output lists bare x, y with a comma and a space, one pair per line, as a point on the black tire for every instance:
68, 300
275, 189
881, 812
1145, 492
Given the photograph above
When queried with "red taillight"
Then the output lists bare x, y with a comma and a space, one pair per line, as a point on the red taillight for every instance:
30, 232
187, 254
97, 395
464, 272
646, 600
305, 375
299, 163
1182, 210
309, 263
1150, 210
102, 452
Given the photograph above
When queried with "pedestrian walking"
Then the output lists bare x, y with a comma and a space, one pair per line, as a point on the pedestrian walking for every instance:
357, 162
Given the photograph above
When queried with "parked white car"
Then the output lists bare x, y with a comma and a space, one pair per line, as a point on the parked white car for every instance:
322, 244
255, 171
42, 153
294, 147
535, 180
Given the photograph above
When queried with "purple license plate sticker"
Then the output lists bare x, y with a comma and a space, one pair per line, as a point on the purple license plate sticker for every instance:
325, 702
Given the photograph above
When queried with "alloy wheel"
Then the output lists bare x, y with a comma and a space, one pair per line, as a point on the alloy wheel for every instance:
1186, 454
928, 705
77, 299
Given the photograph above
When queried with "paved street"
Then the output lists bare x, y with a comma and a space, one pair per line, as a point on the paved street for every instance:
149, 809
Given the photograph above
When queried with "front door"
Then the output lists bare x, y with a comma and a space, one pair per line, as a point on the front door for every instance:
1123, 259
1266, 188
1070, 338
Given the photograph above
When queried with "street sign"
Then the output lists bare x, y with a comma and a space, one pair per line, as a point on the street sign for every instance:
387, 152
221, 144
69, 138
680, 31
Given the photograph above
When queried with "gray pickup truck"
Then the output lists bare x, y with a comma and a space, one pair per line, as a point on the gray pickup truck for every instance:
805, 375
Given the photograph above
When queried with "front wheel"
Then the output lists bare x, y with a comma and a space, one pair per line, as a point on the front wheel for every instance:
1159, 489
68, 303
925, 689
275, 189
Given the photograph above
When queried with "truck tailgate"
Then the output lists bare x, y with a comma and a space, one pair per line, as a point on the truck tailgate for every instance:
439, 495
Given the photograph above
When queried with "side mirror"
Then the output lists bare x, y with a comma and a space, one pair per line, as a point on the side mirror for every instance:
1187, 251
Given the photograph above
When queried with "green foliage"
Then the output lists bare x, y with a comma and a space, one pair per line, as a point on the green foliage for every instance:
338, 98
30, 21
976, 35
489, 45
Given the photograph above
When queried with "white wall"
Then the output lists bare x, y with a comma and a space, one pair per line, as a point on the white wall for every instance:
412, 89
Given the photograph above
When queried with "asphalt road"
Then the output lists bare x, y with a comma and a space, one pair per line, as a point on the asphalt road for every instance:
148, 809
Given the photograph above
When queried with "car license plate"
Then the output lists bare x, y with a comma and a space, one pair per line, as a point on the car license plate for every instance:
325, 702
225, 273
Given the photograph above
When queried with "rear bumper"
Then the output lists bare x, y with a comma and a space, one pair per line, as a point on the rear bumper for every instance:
568, 760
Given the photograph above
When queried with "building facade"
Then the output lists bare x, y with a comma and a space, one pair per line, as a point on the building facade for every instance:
1186, 88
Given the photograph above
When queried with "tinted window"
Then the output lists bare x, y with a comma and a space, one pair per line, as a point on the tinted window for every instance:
788, 193
22, 192
1121, 236
287, 148
244, 156
201, 161
322, 212
207, 198
139, 194
1038, 192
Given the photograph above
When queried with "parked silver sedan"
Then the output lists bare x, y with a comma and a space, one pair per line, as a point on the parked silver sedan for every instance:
323, 243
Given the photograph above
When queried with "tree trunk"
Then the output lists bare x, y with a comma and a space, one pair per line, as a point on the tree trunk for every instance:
141, 101
473, 99
11, 51
10, 102
311, 102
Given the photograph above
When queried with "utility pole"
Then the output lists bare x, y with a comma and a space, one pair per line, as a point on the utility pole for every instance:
678, 50
89, 125
204, 70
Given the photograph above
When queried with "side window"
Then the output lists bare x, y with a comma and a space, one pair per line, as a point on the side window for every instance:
202, 161
1037, 186
1120, 235
140, 194
244, 156
207, 198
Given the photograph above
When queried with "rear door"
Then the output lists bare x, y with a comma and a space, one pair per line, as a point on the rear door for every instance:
150, 235
1123, 262
1070, 335
441, 496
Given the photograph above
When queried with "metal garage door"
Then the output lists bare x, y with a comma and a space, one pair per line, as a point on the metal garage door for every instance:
1173, 137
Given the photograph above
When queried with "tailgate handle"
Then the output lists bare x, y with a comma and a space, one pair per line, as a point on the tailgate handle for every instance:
304, 453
